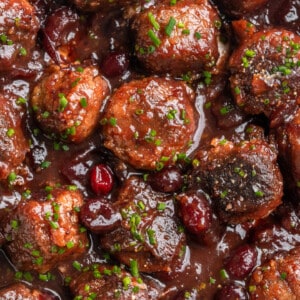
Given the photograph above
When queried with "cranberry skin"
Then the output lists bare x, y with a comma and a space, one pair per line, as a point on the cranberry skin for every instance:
242, 261
99, 216
167, 180
115, 64
231, 292
195, 212
101, 179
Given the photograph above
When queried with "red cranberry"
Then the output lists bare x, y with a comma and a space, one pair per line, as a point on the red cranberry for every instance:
195, 212
115, 64
231, 292
101, 179
99, 216
242, 261
167, 180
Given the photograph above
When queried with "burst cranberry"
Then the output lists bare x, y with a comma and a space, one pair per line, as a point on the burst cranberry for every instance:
99, 216
231, 292
101, 179
241, 262
115, 64
167, 180
195, 212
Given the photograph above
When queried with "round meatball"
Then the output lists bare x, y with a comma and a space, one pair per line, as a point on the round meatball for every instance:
178, 39
288, 138
149, 122
265, 75
109, 282
149, 231
13, 143
19, 291
243, 179
241, 8
18, 31
67, 102
277, 278
42, 234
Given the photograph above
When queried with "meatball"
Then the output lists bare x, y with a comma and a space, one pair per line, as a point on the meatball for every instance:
277, 278
148, 122
178, 39
18, 31
67, 102
13, 143
289, 152
243, 180
41, 234
241, 8
265, 75
109, 282
149, 232
20, 291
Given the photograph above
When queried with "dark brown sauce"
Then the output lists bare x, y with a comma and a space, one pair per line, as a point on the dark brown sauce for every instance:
203, 261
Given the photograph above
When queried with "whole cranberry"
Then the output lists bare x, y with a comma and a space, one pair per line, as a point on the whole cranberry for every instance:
101, 179
242, 261
167, 180
195, 212
231, 292
99, 216
115, 64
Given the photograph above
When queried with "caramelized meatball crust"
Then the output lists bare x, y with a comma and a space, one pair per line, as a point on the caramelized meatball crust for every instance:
277, 278
265, 74
243, 180
148, 122
67, 102
178, 39
42, 234
18, 30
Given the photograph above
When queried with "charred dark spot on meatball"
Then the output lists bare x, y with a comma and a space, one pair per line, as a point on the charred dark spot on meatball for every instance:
243, 180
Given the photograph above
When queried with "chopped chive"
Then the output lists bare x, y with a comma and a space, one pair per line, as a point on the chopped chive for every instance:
153, 21
170, 26
154, 38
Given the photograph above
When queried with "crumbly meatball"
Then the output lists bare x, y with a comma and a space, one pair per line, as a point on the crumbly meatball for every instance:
288, 139
241, 8
13, 143
243, 179
265, 75
110, 282
149, 231
20, 291
148, 122
178, 39
277, 278
41, 234
18, 31
67, 102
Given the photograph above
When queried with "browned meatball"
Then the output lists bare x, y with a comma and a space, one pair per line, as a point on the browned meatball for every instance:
178, 39
13, 143
277, 278
110, 282
20, 291
288, 138
240, 8
18, 30
243, 179
265, 73
41, 234
149, 230
150, 121
67, 102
